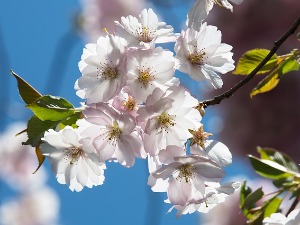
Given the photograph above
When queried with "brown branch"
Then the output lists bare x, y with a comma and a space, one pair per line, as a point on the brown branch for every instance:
277, 44
293, 206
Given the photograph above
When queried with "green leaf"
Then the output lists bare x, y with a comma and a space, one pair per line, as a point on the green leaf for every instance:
244, 192
40, 158
26, 91
267, 84
272, 206
256, 219
268, 168
283, 182
278, 157
52, 108
252, 198
251, 59
288, 66
70, 121
36, 129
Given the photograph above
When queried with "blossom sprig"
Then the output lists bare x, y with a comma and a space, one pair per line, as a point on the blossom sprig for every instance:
135, 107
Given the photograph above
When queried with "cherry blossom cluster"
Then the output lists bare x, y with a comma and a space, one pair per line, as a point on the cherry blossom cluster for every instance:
136, 108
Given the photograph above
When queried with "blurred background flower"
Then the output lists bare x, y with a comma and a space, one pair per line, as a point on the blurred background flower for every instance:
43, 40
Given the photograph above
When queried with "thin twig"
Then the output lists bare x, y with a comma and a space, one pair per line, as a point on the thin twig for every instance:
293, 206
277, 44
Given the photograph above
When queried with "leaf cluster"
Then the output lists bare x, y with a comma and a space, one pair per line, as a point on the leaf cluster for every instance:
284, 173
49, 112
276, 67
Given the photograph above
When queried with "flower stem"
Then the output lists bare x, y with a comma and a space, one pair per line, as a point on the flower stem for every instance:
277, 44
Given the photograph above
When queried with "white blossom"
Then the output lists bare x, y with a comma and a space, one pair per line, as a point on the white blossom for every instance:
202, 56
145, 31
215, 150
148, 69
213, 196
187, 176
114, 135
103, 69
126, 102
279, 219
73, 161
201, 8
167, 117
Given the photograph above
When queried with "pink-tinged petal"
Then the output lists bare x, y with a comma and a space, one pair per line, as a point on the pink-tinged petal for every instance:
174, 138
199, 185
197, 150
150, 143
129, 123
135, 145
97, 116
179, 191
158, 185
104, 148
98, 92
166, 171
190, 159
209, 171
167, 156
124, 153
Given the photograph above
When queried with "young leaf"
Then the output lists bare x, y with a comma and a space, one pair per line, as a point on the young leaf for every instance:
267, 84
288, 65
256, 219
40, 158
272, 206
26, 91
70, 121
268, 168
36, 129
52, 108
278, 157
245, 191
251, 59
252, 198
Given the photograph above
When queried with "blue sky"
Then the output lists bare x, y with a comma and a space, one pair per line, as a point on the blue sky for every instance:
30, 32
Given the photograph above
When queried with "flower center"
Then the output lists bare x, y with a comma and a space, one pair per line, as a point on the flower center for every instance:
186, 171
145, 34
145, 77
74, 153
114, 132
165, 121
197, 58
129, 105
199, 137
110, 73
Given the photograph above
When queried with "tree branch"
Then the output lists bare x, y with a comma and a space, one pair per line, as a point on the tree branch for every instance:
277, 44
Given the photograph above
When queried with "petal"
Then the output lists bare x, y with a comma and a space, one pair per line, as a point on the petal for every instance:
179, 191
218, 152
